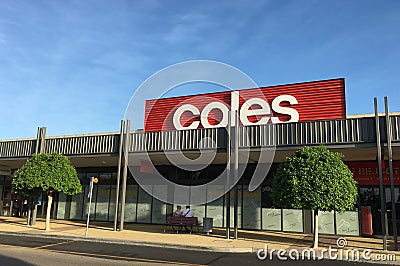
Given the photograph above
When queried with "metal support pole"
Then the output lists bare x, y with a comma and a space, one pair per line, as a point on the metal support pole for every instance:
381, 191
389, 142
125, 174
90, 203
235, 174
121, 141
228, 176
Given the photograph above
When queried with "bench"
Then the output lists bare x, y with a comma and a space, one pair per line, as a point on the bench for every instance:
180, 222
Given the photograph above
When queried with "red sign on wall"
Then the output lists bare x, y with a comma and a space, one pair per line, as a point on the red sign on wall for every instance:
366, 173
308, 101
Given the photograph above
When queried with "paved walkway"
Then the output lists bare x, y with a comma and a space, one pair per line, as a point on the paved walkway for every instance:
154, 235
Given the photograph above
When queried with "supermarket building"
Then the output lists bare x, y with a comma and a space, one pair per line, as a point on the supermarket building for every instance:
310, 113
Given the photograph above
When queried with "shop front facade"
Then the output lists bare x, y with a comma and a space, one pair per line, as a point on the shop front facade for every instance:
305, 122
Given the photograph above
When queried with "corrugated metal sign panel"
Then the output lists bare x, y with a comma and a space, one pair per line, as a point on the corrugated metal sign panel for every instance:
317, 100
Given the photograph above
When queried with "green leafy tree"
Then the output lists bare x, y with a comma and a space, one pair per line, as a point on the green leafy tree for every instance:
47, 172
315, 179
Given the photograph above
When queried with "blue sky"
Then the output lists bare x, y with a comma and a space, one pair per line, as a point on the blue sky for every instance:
72, 66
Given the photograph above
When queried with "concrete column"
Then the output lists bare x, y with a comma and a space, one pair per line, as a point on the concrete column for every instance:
228, 177
121, 141
39, 130
125, 174
390, 155
236, 173
42, 140
381, 189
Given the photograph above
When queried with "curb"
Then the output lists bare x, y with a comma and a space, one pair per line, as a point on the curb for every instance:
176, 246
133, 243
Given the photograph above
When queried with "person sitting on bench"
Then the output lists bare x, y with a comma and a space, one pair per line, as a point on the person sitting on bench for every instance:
178, 211
188, 212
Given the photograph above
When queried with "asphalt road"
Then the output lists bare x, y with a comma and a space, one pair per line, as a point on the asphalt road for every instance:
27, 250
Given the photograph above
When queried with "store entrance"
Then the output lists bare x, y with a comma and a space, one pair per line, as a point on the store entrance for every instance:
16, 205
369, 196
12, 204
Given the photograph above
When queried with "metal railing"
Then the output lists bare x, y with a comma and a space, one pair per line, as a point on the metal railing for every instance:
395, 123
309, 133
17, 148
354, 130
89, 144
206, 138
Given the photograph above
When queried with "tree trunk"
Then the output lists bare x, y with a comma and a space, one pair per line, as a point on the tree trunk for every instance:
315, 244
49, 203
28, 218
34, 211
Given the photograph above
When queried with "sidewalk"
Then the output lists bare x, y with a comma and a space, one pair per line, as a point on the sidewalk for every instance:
153, 235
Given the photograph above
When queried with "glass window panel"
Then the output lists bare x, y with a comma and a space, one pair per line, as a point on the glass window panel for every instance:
232, 209
271, 219
144, 207
82, 176
199, 212
102, 200
1, 201
131, 203
366, 197
77, 205
326, 223
159, 213
215, 209
251, 208
292, 220
114, 176
111, 212
61, 205
105, 179
8, 181
42, 204
159, 208
347, 223
181, 196
266, 197
198, 195
389, 197
7, 200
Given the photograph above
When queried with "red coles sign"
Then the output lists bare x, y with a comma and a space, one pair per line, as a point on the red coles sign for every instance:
308, 101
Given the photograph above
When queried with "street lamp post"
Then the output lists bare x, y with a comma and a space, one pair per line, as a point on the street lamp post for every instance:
93, 180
